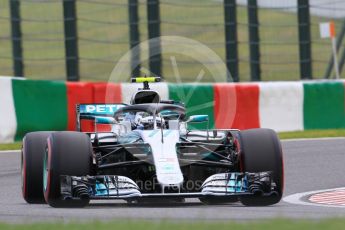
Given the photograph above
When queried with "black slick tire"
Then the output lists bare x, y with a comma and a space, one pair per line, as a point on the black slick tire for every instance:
260, 150
32, 153
68, 153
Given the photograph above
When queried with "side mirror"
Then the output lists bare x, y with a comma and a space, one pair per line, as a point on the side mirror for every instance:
104, 120
198, 118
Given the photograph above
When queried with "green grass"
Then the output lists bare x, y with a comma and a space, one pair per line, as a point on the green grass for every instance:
282, 135
313, 134
11, 146
279, 62
162, 225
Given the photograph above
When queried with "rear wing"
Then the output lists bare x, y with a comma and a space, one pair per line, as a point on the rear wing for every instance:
100, 113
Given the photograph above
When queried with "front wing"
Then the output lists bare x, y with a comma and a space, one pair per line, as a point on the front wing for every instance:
224, 185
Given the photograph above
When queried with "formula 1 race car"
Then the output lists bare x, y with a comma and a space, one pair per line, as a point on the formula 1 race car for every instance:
150, 154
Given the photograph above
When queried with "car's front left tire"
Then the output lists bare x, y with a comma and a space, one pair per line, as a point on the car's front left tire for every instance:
260, 151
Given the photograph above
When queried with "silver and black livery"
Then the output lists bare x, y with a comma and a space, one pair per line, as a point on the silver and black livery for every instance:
150, 153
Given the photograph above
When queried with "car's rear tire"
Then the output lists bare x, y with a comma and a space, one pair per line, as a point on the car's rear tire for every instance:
33, 149
67, 153
260, 150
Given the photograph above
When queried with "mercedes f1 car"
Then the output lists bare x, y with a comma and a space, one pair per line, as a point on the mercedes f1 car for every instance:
150, 153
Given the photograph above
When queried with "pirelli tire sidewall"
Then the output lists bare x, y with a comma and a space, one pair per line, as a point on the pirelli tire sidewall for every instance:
68, 153
32, 153
260, 150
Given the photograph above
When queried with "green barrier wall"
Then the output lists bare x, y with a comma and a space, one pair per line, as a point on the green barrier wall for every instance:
40, 105
199, 99
324, 105
44, 105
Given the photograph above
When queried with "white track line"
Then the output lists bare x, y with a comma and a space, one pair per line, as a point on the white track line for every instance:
297, 198
314, 139
10, 151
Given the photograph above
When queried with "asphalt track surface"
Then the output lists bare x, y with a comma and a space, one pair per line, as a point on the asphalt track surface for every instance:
309, 165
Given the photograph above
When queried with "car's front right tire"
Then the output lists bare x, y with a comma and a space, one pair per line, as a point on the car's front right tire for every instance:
67, 153
31, 166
